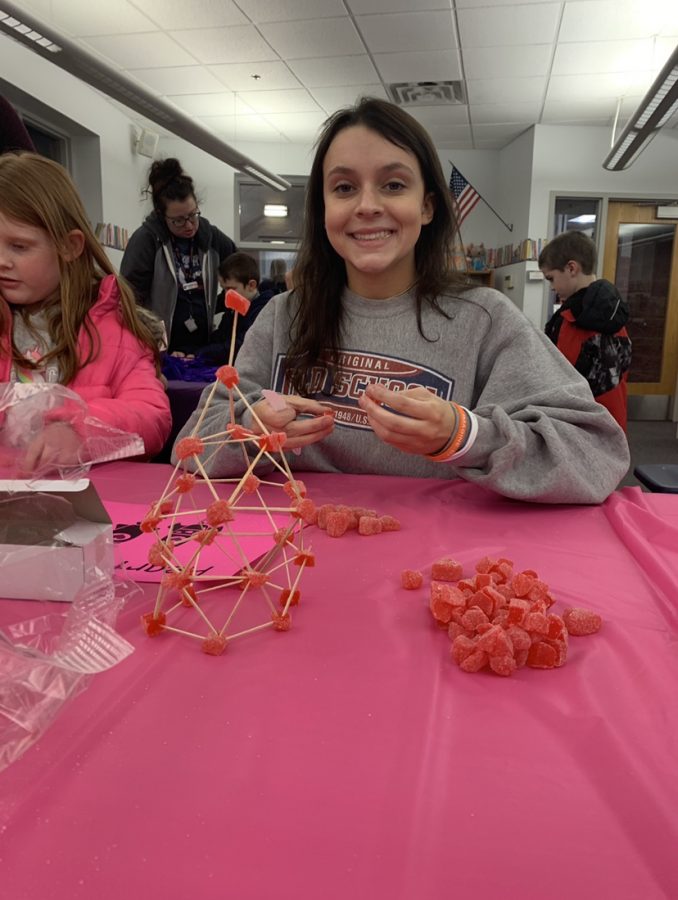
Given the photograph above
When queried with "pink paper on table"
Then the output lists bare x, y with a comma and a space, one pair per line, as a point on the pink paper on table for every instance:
131, 544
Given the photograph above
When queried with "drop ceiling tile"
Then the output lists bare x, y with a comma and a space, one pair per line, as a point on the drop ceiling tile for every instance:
499, 132
365, 7
333, 98
438, 65
179, 80
500, 90
337, 71
561, 110
510, 111
610, 20
205, 104
78, 18
440, 125
136, 51
273, 75
599, 57
314, 38
196, 13
405, 32
472, 4
297, 101
498, 26
240, 43
566, 87
290, 10
240, 127
298, 125
433, 116
518, 62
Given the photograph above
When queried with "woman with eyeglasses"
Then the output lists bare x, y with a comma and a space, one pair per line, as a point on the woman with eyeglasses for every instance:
172, 260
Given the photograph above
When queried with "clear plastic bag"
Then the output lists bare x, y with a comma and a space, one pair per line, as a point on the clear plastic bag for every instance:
46, 431
49, 659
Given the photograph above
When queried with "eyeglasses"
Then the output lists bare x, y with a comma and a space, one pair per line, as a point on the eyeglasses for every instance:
180, 221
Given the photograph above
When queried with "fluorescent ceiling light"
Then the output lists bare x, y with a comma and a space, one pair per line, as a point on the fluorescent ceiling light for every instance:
655, 109
584, 219
75, 59
275, 211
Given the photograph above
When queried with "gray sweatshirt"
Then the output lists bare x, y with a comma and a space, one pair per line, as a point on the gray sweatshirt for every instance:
541, 435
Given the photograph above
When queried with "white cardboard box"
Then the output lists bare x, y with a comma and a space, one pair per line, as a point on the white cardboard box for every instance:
35, 572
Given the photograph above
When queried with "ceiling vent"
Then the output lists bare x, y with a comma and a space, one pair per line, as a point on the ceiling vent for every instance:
428, 93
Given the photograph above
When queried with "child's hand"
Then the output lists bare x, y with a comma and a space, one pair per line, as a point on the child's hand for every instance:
304, 421
56, 445
421, 422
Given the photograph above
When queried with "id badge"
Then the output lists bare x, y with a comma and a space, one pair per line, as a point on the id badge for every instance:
190, 285
190, 324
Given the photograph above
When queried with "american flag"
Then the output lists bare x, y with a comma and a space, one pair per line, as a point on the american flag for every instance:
465, 196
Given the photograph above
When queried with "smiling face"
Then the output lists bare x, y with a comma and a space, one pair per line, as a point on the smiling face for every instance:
29, 263
375, 207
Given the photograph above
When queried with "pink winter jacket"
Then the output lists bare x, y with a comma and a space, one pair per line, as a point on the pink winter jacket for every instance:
120, 386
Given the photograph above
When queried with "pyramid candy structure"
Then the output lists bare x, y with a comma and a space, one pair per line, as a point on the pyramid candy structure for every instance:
215, 605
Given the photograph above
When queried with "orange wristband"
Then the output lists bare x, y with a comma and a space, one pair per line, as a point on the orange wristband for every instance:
456, 441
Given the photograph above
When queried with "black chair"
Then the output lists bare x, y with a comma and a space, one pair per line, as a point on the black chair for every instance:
660, 478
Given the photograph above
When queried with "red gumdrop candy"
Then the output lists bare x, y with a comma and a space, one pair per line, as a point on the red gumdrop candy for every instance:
296, 596
336, 523
411, 579
295, 489
256, 579
304, 557
560, 646
485, 565
219, 512
178, 580
536, 623
556, 630
214, 645
189, 446
351, 515
165, 507
517, 610
369, 525
272, 442
520, 657
185, 483
282, 537
522, 583
323, 511
462, 647
149, 524
579, 621
205, 536
542, 656
228, 376
472, 618
281, 621
251, 484
389, 523
160, 553
236, 301
496, 642
189, 594
446, 569
153, 625
237, 432
520, 639
306, 510
474, 662
503, 665
482, 601
454, 629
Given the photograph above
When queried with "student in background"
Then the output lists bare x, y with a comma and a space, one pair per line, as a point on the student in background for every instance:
13, 134
387, 362
238, 272
589, 325
172, 260
66, 318
277, 282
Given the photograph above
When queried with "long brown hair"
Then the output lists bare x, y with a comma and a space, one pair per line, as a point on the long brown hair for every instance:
38, 192
320, 273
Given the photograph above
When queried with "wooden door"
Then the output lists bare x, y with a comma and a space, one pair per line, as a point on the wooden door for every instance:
641, 259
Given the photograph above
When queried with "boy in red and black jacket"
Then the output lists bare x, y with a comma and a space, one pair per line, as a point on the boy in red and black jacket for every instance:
588, 328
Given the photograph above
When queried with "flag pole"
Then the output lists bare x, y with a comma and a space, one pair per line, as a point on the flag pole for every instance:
505, 224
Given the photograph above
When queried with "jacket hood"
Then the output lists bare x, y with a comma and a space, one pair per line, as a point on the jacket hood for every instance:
598, 307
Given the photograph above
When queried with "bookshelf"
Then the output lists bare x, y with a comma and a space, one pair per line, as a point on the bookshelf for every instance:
113, 236
478, 277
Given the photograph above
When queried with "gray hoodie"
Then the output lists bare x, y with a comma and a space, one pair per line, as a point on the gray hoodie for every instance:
541, 435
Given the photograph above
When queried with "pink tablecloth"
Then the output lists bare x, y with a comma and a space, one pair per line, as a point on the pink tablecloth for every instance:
350, 758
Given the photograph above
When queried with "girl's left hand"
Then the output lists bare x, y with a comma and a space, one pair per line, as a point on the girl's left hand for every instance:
56, 445
421, 423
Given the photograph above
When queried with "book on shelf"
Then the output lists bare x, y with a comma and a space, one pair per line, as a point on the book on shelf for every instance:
111, 235
526, 250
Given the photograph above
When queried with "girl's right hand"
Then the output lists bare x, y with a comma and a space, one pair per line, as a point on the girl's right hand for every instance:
55, 447
304, 421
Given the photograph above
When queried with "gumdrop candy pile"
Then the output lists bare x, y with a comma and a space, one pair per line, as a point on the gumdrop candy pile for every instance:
499, 619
